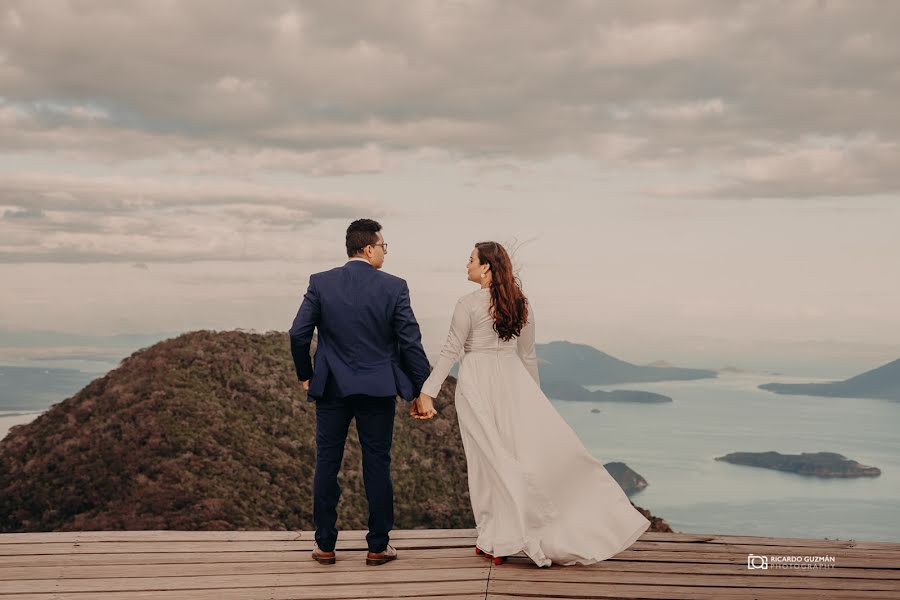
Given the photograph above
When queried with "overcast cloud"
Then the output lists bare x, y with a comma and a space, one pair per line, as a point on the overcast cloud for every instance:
187, 132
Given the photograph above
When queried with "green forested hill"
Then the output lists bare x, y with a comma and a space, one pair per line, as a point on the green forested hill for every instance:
211, 430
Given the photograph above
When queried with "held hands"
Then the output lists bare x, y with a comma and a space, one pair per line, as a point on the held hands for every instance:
423, 408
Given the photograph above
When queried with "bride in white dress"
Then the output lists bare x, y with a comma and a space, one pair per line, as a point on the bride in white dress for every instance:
533, 485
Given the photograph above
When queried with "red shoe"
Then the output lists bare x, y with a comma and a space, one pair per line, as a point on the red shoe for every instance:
498, 560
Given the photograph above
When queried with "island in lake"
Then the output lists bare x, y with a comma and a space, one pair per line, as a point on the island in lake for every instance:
627, 478
882, 383
564, 390
817, 464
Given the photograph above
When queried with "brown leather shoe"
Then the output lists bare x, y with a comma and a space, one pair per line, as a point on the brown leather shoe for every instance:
379, 558
325, 558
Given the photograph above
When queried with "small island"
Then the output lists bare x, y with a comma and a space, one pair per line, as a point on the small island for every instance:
816, 464
564, 390
628, 479
630, 396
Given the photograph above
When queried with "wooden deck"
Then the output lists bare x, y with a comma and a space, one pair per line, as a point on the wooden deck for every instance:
434, 564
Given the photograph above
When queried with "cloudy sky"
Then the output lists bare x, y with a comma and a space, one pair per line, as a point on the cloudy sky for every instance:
700, 182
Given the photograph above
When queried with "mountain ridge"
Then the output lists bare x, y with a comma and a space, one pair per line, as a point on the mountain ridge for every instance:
586, 365
211, 431
880, 383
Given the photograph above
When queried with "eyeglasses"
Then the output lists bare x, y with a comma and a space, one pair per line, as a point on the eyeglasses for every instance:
383, 246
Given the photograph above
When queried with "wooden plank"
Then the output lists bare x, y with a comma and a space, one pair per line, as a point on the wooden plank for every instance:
214, 557
232, 594
215, 565
414, 533
786, 580
355, 563
408, 591
708, 568
323, 577
767, 549
111, 547
594, 591
655, 536
144, 536
716, 557
536, 575
523, 569
243, 535
215, 546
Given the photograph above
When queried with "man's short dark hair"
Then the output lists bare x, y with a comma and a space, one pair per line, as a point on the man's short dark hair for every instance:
360, 234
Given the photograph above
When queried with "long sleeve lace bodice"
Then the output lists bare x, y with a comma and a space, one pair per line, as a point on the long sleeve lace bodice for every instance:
472, 330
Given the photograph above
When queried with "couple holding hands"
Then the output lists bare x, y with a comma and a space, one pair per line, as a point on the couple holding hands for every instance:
534, 488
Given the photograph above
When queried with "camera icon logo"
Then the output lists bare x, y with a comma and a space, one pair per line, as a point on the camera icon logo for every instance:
755, 561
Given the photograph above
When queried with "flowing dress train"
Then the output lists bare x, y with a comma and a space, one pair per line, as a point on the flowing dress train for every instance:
534, 487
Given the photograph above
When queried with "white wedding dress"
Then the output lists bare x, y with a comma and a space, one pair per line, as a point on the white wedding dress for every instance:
534, 487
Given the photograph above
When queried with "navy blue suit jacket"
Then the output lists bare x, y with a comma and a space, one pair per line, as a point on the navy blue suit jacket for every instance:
369, 341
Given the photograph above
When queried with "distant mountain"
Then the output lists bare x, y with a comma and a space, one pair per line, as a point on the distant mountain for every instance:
585, 365
54, 339
882, 383
211, 431
664, 364
660, 364
732, 369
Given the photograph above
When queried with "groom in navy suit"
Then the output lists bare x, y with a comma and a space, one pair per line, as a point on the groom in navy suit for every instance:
369, 352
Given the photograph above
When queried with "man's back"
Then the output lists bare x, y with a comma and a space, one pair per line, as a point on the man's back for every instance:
369, 341
369, 352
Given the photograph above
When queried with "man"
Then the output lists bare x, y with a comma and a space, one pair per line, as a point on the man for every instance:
369, 351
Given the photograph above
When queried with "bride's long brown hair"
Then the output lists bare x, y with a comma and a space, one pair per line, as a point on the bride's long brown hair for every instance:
509, 306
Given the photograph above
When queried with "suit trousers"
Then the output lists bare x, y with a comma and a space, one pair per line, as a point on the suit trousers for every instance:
375, 426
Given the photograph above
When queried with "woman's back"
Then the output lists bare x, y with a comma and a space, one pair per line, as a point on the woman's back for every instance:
472, 332
482, 336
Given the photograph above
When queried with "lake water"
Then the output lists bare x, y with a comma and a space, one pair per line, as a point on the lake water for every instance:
673, 445
25, 392
27, 389
12, 418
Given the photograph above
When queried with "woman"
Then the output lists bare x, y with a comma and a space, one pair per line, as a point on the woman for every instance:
534, 487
